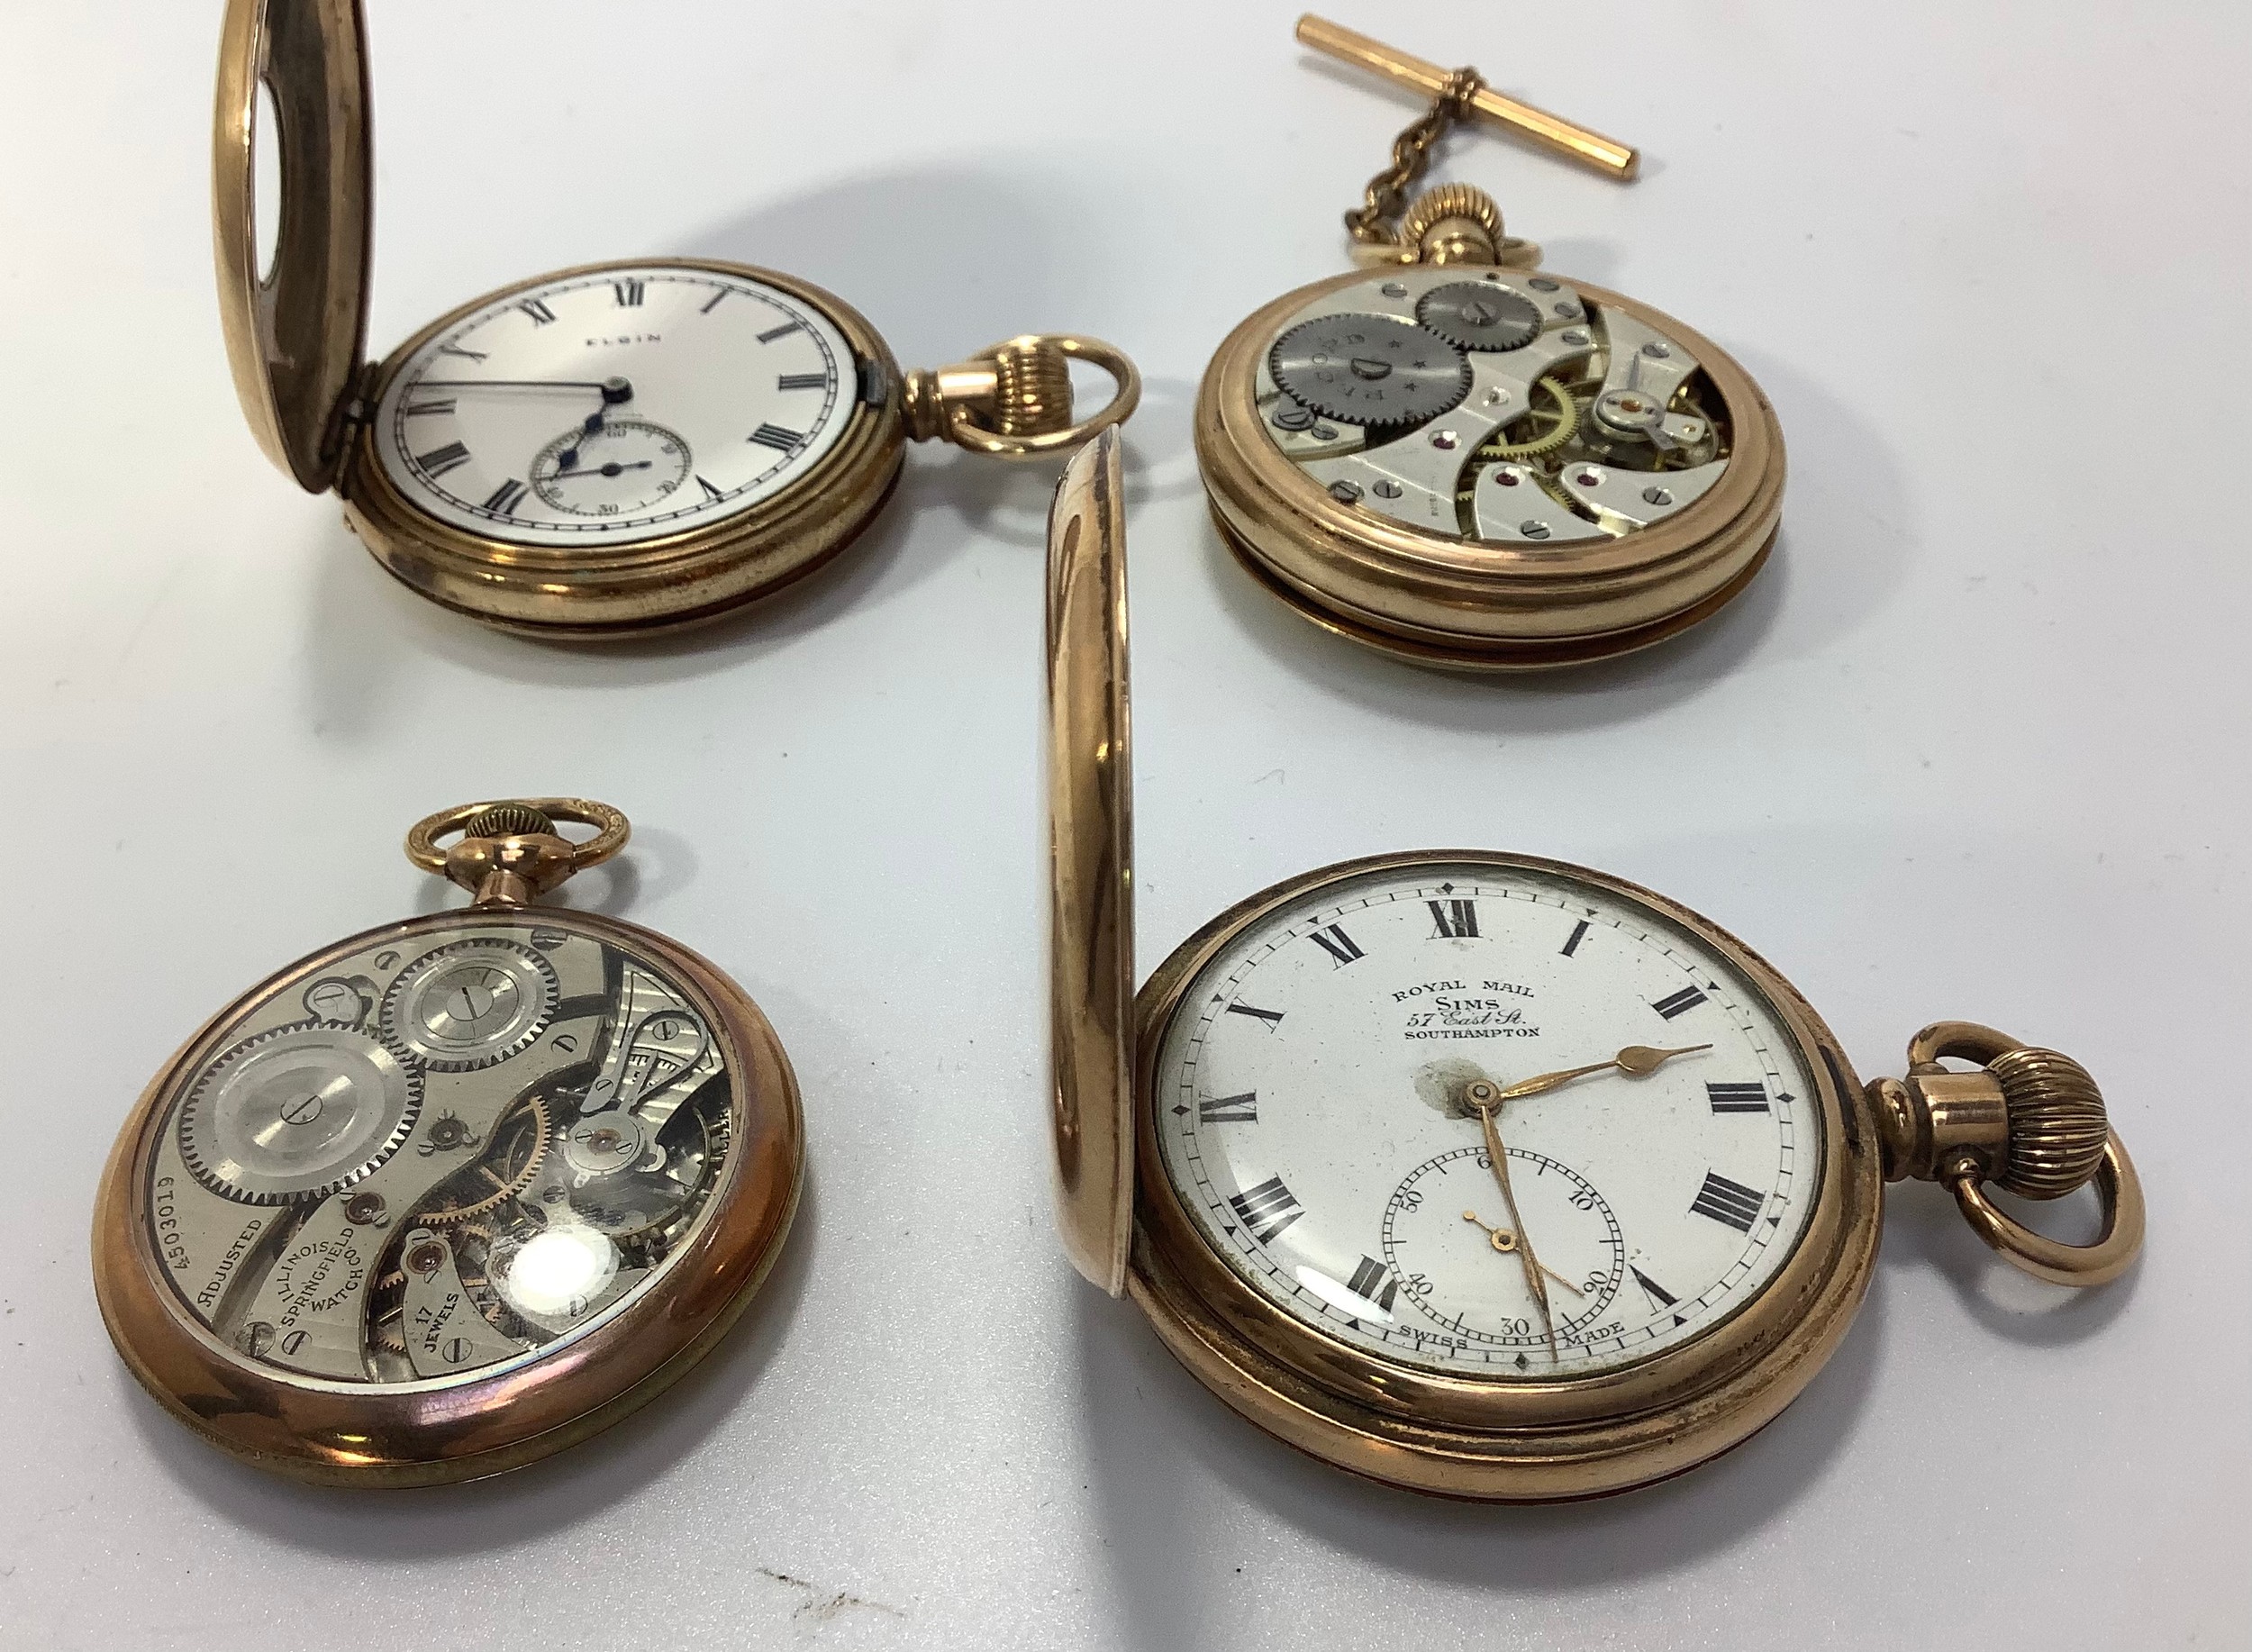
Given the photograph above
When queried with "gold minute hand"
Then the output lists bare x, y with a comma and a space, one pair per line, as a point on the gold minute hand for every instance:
1483, 1097
1636, 1061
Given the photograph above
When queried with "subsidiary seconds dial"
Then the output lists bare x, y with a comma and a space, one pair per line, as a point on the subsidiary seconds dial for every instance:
616, 406
1458, 1255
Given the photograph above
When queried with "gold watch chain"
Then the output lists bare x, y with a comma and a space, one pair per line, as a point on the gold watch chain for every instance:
1374, 221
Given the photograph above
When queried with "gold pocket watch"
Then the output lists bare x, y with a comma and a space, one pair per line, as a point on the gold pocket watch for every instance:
454, 1194
601, 452
1480, 1173
1462, 460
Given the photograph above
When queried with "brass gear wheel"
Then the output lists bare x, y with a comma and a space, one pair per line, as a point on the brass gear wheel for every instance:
518, 1148
1553, 424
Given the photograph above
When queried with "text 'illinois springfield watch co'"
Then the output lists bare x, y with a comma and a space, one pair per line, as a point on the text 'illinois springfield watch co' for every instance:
1478, 1173
451, 1194
597, 453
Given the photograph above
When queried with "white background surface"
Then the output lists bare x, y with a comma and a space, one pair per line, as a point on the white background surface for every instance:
1974, 746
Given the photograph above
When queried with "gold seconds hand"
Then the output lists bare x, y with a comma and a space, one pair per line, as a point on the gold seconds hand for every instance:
1504, 1242
1485, 1098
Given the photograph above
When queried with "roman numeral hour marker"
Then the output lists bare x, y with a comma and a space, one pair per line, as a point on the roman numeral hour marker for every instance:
1736, 1098
1457, 920
1267, 1209
1659, 1296
1728, 1202
440, 460
1372, 1282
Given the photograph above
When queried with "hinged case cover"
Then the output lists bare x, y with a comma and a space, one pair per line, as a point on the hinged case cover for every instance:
294, 332
1091, 854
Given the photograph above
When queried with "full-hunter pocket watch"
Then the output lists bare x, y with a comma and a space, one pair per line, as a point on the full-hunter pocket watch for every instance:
1480, 1173
451, 1195
1460, 459
601, 452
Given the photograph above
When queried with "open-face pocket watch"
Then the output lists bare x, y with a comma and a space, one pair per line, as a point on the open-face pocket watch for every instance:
1462, 460
1481, 1174
451, 1195
601, 452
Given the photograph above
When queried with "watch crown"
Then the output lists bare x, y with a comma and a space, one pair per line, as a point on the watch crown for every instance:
1031, 389
510, 854
2058, 1125
2030, 1122
1014, 400
1459, 224
507, 820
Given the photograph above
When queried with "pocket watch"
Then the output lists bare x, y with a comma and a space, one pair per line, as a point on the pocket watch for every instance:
1477, 1172
451, 1195
1460, 459
600, 452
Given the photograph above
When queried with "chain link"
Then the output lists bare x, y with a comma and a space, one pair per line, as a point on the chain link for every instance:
1376, 219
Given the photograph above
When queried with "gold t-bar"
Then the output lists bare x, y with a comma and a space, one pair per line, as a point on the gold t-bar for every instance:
1606, 155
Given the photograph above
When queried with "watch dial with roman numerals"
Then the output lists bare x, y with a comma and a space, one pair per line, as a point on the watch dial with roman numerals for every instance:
616, 405
1312, 1118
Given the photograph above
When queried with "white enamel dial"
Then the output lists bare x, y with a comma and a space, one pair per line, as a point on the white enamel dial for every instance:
1311, 1117
616, 406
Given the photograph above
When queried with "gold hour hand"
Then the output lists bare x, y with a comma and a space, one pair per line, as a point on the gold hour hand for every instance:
1636, 1061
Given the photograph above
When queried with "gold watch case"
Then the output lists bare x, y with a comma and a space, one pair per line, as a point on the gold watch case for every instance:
396, 1316
1544, 536
2026, 1120
295, 336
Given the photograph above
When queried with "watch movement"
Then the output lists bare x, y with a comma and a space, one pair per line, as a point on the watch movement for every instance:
1461, 459
451, 1194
